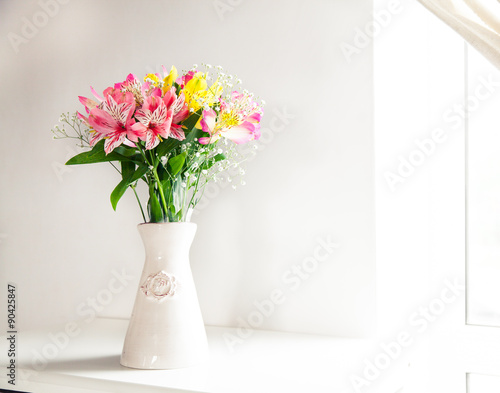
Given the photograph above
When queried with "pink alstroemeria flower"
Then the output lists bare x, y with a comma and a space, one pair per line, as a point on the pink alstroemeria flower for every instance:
180, 112
238, 120
130, 81
255, 120
240, 133
89, 105
148, 90
154, 121
113, 121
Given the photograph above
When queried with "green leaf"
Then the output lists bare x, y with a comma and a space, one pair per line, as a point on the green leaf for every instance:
176, 195
128, 169
118, 192
97, 154
129, 175
141, 170
167, 193
166, 146
210, 162
165, 184
191, 121
219, 157
126, 151
176, 163
162, 173
155, 210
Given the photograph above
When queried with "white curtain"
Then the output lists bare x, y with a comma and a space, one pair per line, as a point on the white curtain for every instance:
478, 21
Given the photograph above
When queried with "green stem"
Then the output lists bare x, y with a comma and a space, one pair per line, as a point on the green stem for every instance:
160, 188
142, 153
155, 174
113, 165
193, 197
139, 202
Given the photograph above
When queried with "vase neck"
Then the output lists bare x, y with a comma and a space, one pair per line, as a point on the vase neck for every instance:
169, 241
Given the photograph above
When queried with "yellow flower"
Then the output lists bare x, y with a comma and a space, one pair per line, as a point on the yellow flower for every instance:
196, 93
211, 95
193, 91
155, 81
169, 80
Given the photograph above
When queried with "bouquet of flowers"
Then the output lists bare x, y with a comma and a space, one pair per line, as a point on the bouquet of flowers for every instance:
175, 133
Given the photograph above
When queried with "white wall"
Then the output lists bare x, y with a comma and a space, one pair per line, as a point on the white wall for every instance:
61, 240
419, 82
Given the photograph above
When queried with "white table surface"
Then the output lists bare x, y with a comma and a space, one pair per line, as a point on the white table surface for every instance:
265, 362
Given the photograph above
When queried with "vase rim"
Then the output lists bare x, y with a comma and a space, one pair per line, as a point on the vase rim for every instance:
165, 223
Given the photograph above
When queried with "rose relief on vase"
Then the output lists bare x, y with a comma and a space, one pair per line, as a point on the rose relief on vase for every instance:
160, 286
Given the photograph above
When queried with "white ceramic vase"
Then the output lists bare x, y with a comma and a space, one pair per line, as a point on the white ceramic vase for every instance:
166, 328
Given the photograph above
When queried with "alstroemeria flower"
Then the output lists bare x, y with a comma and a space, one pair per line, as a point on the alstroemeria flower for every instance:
184, 79
238, 120
134, 86
154, 121
154, 79
239, 133
255, 119
208, 120
180, 112
192, 85
169, 78
150, 90
196, 92
113, 121
89, 105
130, 81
